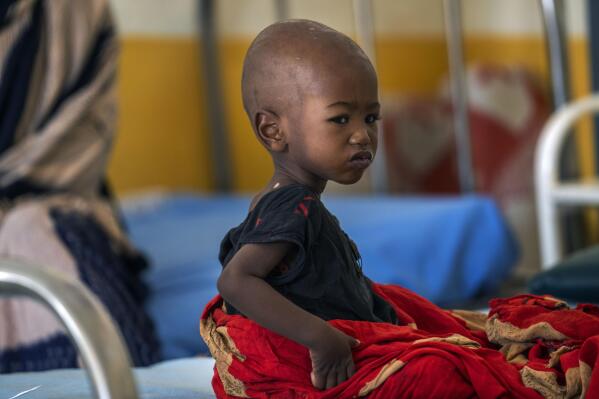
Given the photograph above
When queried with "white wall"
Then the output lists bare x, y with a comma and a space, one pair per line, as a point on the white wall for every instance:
409, 17
155, 17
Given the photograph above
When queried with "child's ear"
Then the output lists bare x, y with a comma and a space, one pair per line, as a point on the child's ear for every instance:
269, 129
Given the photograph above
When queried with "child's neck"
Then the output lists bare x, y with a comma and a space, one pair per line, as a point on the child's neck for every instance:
276, 182
279, 180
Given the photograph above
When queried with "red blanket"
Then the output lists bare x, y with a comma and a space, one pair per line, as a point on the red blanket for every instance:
527, 347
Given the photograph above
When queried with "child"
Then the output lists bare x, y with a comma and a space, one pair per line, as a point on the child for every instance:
315, 327
312, 98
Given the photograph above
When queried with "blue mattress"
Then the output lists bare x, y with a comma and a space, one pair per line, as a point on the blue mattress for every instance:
446, 249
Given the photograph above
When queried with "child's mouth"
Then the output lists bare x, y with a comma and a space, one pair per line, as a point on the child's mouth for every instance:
361, 159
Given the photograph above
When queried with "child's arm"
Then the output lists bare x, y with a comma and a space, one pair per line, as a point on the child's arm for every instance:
242, 284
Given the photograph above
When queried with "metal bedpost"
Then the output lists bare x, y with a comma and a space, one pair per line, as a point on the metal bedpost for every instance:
553, 11
214, 98
88, 324
459, 92
281, 9
364, 23
593, 37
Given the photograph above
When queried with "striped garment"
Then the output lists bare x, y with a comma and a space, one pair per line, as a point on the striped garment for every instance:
58, 62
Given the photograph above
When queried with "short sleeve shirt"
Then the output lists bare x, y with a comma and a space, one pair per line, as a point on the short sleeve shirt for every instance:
325, 276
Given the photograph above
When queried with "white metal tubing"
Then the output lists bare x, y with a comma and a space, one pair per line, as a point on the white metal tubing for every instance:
459, 92
547, 183
364, 25
219, 140
577, 194
553, 17
281, 10
87, 322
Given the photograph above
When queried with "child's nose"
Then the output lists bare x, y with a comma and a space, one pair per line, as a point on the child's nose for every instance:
360, 137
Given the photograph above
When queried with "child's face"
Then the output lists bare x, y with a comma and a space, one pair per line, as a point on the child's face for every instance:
334, 137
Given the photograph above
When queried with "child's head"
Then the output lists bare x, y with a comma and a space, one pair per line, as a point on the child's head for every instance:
312, 98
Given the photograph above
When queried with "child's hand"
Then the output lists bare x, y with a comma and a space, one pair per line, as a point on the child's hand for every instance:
332, 361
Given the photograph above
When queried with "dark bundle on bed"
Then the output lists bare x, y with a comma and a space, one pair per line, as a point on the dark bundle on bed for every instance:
527, 347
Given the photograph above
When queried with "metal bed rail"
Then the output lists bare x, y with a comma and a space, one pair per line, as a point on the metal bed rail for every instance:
551, 193
87, 322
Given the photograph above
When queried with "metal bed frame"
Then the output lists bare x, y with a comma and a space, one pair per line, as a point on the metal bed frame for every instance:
551, 193
87, 322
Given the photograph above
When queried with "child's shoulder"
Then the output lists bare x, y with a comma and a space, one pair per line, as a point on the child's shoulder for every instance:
285, 210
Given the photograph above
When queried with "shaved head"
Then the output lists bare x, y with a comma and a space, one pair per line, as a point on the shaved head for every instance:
287, 58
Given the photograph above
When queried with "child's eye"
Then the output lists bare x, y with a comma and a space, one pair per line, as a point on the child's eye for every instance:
372, 118
341, 119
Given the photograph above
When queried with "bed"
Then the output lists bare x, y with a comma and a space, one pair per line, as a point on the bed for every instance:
448, 249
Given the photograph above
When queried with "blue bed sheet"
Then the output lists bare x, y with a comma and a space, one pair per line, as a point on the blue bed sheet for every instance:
446, 249
181, 379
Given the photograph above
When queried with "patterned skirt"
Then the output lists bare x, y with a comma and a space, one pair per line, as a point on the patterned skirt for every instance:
81, 239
